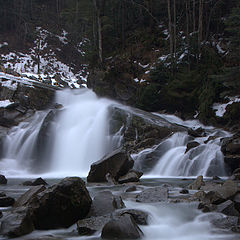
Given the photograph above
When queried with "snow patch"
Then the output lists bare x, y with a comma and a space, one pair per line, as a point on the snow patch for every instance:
9, 84
5, 103
3, 44
221, 108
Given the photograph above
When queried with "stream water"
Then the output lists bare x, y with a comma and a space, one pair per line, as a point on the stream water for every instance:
80, 137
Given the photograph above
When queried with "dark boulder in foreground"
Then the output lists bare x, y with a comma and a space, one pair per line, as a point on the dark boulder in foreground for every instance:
117, 163
58, 206
123, 227
61, 205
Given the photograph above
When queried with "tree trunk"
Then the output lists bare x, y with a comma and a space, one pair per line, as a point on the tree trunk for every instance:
200, 26
194, 17
170, 28
97, 7
175, 29
187, 32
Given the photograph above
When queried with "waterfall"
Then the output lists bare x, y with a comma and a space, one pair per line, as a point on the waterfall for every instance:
82, 133
66, 141
77, 136
174, 159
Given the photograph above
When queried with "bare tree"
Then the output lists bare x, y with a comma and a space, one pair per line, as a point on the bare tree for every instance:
170, 28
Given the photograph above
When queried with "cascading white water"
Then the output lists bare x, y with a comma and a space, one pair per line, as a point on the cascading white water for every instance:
82, 133
79, 136
173, 160
19, 146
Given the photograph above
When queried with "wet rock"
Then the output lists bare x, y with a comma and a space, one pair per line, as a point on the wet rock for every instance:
131, 176
207, 207
199, 195
25, 198
17, 223
184, 191
228, 208
221, 221
231, 150
60, 205
199, 132
2, 194
104, 203
216, 178
213, 197
118, 163
197, 184
6, 201
191, 145
91, 225
3, 179
131, 189
39, 181
228, 189
156, 194
123, 227
27, 183
139, 216
110, 179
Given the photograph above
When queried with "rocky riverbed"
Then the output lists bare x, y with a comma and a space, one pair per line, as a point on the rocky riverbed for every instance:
150, 209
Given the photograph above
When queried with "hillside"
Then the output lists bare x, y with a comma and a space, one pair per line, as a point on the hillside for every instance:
179, 57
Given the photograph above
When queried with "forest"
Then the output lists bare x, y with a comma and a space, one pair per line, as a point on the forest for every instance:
179, 56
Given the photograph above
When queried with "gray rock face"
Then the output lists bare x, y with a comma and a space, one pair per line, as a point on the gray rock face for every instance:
156, 194
131, 176
60, 205
197, 184
24, 199
123, 227
17, 223
231, 150
228, 208
105, 203
140, 217
90, 225
118, 163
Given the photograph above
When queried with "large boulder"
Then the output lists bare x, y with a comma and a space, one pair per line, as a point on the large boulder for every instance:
122, 227
117, 163
105, 203
60, 205
17, 223
140, 129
